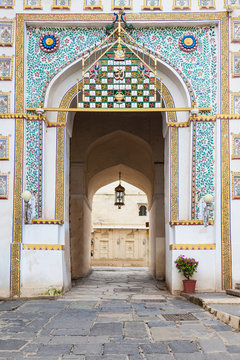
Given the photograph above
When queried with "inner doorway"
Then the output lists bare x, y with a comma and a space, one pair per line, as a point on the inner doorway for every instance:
120, 235
102, 145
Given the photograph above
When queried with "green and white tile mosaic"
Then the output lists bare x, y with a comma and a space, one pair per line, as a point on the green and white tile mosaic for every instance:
198, 67
205, 163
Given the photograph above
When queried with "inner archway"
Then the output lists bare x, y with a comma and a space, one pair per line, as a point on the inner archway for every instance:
120, 234
101, 146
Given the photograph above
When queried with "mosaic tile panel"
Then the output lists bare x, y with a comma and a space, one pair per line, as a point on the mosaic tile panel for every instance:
181, 4
203, 163
33, 160
4, 148
5, 68
119, 84
6, 32
4, 178
207, 4
236, 185
41, 66
4, 103
73, 41
32, 4
61, 4
152, 4
236, 146
164, 42
235, 30
235, 109
121, 4
7, 4
235, 58
234, 3
92, 4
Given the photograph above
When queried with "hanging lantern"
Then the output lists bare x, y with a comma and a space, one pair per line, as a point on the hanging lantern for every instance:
119, 194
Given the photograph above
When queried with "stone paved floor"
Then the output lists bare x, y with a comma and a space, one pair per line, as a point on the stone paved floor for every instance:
114, 315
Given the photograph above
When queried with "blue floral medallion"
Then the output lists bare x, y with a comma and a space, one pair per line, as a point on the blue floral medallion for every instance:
188, 42
49, 42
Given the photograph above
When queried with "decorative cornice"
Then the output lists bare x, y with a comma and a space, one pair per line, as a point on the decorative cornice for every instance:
189, 222
47, 222
29, 117
42, 247
192, 247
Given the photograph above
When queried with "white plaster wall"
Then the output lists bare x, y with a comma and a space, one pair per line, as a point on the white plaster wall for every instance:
168, 229
7, 128
217, 209
205, 275
49, 173
65, 229
40, 271
185, 159
105, 213
235, 208
41, 234
194, 234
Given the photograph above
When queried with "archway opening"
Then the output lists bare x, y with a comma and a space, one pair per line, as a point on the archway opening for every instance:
102, 145
120, 236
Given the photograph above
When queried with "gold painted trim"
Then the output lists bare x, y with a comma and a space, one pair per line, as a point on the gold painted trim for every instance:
47, 222
233, 94
120, 109
192, 247
232, 64
10, 21
15, 269
234, 7
61, 7
93, 7
213, 6
234, 20
32, 7
5, 196
179, 7
152, 8
122, 7
234, 156
50, 247
8, 6
29, 117
6, 138
235, 197
11, 67
189, 222
225, 201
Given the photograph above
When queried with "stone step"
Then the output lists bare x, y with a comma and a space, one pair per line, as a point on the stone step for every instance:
233, 292
237, 286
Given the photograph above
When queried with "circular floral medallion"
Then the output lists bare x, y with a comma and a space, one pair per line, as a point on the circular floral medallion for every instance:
49, 42
188, 42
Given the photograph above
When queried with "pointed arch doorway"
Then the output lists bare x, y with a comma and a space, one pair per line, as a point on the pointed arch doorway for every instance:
100, 148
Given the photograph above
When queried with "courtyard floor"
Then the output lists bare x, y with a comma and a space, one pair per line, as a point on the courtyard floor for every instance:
114, 315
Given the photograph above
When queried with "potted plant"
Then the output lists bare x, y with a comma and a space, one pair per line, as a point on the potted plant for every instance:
187, 266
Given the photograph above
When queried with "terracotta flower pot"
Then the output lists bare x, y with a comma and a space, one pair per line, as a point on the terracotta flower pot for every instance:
189, 286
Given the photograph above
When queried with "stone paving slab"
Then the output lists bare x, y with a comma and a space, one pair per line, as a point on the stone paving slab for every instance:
92, 322
225, 307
